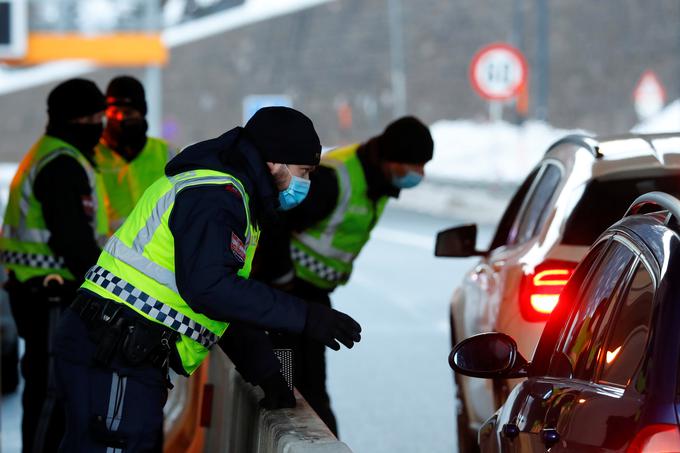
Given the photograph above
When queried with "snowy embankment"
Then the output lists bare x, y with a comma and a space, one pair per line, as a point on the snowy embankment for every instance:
476, 166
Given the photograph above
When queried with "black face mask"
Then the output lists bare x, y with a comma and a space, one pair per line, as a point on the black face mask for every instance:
84, 137
126, 137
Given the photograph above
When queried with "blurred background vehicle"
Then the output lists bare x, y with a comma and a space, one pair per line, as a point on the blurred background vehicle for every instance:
581, 186
604, 376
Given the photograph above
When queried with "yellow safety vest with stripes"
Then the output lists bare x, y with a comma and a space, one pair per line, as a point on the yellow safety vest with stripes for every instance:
324, 254
24, 241
125, 182
137, 265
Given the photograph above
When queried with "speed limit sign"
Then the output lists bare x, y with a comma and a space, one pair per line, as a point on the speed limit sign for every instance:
498, 72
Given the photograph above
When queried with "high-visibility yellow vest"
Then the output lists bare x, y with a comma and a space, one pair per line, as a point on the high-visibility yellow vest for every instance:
137, 265
324, 254
125, 182
24, 245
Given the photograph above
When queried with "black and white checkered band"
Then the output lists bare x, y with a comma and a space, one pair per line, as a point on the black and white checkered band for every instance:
31, 260
151, 307
319, 269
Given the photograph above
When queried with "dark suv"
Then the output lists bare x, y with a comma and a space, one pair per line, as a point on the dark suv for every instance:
605, 375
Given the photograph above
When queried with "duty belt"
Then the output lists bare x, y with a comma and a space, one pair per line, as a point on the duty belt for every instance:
120, 331
152, 307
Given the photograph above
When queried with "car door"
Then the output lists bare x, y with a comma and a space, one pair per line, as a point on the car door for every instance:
605, 415
478, 282
488, 279
547, 400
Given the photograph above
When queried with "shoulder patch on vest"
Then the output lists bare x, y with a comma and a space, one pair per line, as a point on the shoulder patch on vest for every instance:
237, 248
232, 189
88, 205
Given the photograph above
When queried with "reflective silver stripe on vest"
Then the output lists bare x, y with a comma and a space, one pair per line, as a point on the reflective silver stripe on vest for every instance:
180, 182
319, 269
152, 307
134, 256
27, 188
26, 234
324, 244
31, 260
116, 248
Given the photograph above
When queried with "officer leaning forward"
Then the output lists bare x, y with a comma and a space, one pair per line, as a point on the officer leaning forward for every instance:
348, 194
54, 217
175, 274
127, 159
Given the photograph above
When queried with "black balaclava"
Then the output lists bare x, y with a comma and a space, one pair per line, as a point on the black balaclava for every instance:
126, 137
71, 100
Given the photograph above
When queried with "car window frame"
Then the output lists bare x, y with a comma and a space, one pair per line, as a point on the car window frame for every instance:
552, 333
522, 191
514, 231
641, 260
624, 281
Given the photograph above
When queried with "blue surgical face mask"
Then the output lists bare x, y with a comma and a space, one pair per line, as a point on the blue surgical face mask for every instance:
410, 179
296, 192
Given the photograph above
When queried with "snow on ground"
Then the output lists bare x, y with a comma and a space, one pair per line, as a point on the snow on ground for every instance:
668, 120
476, 166
488, 152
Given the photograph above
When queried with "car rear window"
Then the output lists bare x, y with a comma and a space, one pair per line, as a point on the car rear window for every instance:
604, 202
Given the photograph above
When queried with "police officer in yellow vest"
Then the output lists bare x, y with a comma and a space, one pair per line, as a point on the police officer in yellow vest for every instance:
54, 218
175, 275
348, 195
128, 160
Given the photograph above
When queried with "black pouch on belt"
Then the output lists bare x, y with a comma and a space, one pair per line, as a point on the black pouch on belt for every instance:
109, 341
141, 339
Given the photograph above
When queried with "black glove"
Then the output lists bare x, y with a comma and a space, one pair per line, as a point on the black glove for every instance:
277, 394
327, 325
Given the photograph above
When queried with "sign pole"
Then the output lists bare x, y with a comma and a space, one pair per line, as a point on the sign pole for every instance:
495, 111
153, 76
153, 83
498, 73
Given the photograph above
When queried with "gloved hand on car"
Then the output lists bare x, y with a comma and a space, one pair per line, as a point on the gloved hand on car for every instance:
329, 326
277, 394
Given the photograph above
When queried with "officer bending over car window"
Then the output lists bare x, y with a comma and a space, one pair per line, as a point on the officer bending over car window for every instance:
171, 280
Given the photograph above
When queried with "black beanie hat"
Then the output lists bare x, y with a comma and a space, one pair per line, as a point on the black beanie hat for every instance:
126, 91
73, 99
406, 140
285, 136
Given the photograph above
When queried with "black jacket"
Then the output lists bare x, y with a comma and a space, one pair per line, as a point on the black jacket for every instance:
63, 190
204, 222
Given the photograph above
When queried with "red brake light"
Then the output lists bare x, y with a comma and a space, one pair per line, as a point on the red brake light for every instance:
656, 439
541, 289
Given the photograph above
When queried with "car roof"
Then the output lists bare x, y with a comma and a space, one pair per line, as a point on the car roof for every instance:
618, 153
651, 228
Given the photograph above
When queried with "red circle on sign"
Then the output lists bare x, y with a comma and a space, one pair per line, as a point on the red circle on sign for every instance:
498, 72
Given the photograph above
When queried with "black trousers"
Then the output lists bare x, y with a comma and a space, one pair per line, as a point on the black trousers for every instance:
109, 409
43, 418
309, 359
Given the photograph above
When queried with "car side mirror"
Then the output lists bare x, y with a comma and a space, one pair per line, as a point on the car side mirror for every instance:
488, 355
458, 242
